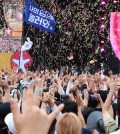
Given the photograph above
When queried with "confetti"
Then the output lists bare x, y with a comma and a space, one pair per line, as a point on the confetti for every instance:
77, 30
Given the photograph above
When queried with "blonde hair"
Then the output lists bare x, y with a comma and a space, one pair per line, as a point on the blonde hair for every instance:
69, 123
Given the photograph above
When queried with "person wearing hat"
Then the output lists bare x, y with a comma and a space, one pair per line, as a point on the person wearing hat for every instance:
97, 123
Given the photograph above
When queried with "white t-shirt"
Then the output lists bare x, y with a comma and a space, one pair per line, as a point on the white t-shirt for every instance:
116, 132
10, 123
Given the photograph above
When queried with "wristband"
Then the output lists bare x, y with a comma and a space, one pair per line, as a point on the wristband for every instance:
79, 110
111, 92
37, 91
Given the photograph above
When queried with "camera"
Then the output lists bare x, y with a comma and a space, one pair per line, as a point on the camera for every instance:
94, 97
82, 87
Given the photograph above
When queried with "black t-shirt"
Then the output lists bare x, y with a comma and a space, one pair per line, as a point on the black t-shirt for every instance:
4, 110
86, 131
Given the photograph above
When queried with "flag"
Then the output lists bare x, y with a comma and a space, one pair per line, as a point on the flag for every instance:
38, 17
21, 58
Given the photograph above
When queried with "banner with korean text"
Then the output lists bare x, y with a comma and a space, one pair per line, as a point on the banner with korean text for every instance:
38, 17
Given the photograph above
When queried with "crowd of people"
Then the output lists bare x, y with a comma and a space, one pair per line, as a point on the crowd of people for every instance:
62, 102
9, 46
55, 102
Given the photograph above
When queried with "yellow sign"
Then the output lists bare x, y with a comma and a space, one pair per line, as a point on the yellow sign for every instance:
5, 60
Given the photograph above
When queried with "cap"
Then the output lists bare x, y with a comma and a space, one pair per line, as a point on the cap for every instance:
95, 121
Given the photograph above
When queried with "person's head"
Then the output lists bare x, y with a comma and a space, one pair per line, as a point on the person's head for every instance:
110, 72
93, 101
69, 123
103, 95
70, 106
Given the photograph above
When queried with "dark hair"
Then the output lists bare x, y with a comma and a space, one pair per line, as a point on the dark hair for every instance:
118, 107
70, 106
52, 127
58, 96
103, 95
93, 101
65, 97
46, 90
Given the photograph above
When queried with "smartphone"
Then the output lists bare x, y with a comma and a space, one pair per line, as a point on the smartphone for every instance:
82, 87
94, 96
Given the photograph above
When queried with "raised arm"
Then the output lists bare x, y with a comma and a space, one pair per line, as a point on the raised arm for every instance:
109, 122
32, 119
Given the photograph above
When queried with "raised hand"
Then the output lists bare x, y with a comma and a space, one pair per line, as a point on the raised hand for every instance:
32, 120
48, 99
